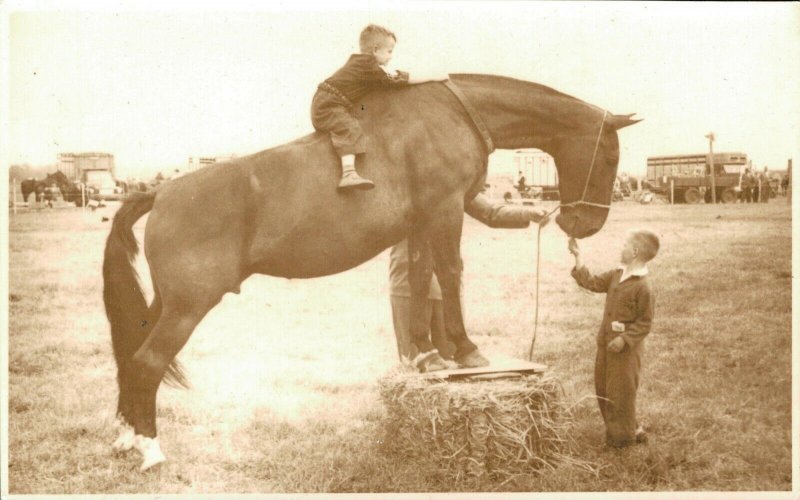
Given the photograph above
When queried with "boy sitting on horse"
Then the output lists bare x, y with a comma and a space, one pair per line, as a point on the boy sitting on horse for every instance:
332, 106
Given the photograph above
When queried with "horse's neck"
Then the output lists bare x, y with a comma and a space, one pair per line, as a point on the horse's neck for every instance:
523, 115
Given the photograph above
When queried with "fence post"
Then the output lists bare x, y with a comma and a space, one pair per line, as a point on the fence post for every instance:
83, 197
14, 190
672, 191
789, 187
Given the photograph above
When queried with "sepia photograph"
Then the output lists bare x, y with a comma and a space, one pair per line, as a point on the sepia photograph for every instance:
425, 247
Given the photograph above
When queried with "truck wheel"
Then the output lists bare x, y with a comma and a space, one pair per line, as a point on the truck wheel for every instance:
728, 195
692, 195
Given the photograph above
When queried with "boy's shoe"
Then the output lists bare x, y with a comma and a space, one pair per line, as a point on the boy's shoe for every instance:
351, 180
641, 436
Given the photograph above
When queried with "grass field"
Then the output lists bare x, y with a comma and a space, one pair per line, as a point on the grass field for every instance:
284, 395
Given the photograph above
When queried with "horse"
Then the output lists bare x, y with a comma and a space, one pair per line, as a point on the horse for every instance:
277, 212
32, 186
69, 191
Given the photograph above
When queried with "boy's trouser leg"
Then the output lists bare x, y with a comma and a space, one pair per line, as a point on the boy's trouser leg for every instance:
616, 383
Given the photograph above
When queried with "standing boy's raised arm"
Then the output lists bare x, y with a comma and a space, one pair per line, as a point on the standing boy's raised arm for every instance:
582, 275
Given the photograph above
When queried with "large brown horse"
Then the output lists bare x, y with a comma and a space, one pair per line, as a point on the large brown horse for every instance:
278, 213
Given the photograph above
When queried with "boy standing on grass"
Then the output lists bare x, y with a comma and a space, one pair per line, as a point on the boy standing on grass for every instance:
332, 106
627, 318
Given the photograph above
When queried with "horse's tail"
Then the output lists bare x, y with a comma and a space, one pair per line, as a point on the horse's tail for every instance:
126, 307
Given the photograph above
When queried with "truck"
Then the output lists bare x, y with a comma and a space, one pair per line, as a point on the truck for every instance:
94, 171
687, 178
539, 170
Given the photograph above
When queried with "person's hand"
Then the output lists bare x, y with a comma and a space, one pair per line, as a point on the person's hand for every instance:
573, 247
616, 345
539, 215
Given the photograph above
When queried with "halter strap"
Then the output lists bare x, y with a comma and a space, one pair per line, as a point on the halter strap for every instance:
583, 201
473, 114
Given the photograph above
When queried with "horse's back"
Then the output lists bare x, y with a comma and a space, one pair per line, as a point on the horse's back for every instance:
280, 210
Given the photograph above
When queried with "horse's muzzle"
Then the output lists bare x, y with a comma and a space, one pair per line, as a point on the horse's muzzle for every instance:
576, 224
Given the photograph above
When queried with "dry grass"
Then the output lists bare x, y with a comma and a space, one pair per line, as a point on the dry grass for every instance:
474, 429
285, 374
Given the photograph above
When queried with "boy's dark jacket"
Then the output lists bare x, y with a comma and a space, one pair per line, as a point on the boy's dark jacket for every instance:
631, 302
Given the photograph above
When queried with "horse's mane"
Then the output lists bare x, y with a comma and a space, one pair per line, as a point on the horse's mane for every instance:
528, 86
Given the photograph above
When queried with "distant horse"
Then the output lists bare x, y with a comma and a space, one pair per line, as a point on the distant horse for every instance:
32, 186
278, 213
70, 192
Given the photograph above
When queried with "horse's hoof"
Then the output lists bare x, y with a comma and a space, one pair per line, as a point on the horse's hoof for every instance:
430, 362
125, 440
472, 360
151, 452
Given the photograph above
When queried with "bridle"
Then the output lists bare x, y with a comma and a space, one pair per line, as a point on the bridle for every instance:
583, 201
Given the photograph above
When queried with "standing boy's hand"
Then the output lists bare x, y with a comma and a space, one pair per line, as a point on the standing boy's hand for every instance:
616, 345
573, 247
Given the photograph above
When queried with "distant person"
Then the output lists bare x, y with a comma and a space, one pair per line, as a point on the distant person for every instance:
332, 106
496, 215
766, 189
627, 320
747, 187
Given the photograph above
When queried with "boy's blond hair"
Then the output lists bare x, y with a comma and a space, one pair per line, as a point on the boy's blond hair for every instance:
372, 37
647, 242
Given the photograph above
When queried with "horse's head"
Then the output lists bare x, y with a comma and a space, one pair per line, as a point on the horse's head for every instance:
57, 178
587, 166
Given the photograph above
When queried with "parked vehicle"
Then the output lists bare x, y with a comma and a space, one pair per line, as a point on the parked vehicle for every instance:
688, 177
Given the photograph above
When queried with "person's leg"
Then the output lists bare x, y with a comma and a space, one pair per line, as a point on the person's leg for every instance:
446, 348
622, 382
600, 385
347, 137
401, 311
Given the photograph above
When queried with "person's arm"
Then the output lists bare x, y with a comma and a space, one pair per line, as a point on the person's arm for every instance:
645, 306
503, 215
585, 279
423, 78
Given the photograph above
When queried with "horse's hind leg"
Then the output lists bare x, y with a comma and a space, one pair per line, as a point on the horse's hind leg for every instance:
125, 377
179, 317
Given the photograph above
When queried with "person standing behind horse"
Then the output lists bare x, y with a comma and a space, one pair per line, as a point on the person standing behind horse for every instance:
494, 215
332, 105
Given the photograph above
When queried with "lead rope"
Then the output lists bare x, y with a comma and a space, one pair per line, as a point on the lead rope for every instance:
539, 232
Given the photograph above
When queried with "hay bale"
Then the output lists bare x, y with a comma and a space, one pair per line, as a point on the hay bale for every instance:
500, 428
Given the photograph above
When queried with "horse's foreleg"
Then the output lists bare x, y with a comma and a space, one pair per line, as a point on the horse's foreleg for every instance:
446, 248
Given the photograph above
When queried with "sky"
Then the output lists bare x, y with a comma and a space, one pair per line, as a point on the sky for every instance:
156, 83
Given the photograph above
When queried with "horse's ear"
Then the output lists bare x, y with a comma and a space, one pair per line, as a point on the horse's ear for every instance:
617, 122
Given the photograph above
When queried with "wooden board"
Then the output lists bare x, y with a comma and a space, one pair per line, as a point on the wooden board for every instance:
499, 368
